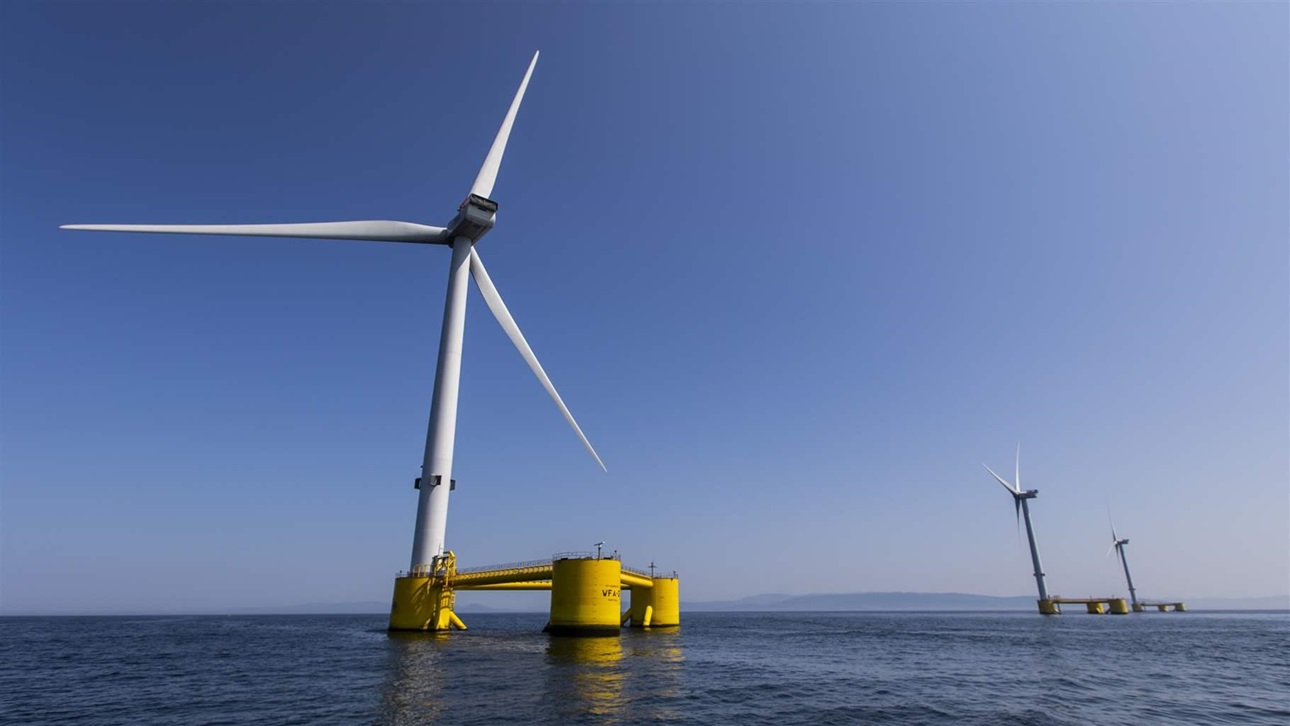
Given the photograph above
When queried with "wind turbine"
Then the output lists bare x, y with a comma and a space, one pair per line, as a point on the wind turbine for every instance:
1020, 499
1118, 544
475, 217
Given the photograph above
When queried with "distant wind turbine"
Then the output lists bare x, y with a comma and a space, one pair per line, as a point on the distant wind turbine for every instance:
1020, 500
1118, 544
475, 217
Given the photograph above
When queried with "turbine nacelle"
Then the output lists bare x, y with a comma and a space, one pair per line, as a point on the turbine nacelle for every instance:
475, 217
1117, 546
1115, 538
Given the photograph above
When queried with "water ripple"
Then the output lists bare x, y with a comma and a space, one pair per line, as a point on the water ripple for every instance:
799, 668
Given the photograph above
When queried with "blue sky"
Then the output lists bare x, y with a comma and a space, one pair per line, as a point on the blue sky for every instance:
797, 269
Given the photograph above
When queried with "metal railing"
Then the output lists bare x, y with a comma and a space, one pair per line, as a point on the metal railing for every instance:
426, 570
504, 566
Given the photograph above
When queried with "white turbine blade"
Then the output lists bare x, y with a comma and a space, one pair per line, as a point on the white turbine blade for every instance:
1108, 551
1003, 481
1017, 473
483, 185
494, 300
366, 230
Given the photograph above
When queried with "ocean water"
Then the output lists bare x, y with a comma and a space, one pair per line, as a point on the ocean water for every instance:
744, 668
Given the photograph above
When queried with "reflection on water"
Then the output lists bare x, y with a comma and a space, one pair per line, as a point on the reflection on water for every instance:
659, 665
483, 675
586, 676
414, 681
634, 677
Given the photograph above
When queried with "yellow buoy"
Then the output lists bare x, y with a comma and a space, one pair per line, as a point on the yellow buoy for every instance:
585, 597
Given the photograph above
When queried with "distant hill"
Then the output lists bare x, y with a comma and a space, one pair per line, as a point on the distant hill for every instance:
318, 608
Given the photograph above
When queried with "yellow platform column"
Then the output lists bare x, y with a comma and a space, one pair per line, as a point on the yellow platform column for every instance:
665, 596
422, 604
658, 606
585, 597
1119, 606
1139, 607
423, 600
1049, 607
415, 604
1180, 608
1095, 608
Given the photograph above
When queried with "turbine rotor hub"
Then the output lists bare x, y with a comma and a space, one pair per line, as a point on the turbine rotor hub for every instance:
475, 217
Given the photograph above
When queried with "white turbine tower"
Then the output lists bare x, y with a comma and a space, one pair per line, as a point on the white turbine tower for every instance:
1118, 544
1020, 499
475, 217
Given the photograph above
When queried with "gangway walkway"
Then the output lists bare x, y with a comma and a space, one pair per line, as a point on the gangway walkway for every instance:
531, 575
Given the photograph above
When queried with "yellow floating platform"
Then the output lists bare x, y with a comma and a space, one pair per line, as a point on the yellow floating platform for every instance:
1094, 605
586, 594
